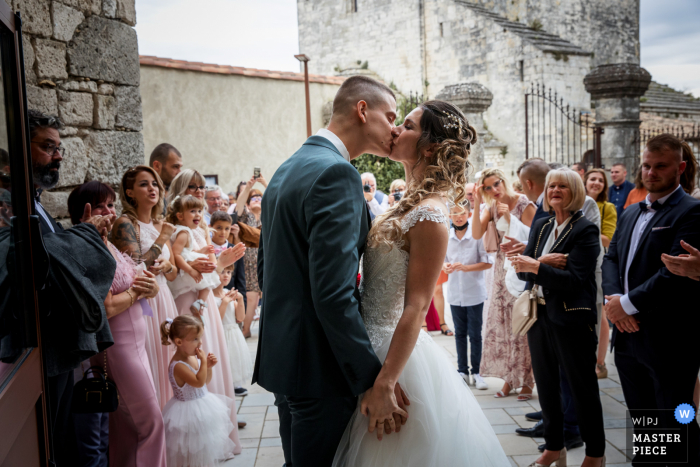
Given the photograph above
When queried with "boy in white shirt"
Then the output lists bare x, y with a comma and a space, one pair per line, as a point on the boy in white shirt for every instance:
465, 263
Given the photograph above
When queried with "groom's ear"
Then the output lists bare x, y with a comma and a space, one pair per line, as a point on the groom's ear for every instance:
361, 108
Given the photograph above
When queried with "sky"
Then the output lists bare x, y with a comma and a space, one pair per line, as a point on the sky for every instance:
263, 34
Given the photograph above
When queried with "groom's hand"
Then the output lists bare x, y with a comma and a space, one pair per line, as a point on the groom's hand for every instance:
403, 401
379, 405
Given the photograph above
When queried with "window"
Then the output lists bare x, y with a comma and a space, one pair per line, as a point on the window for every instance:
440, 29
522, 70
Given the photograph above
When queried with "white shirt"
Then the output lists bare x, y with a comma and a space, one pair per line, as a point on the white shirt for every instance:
379, 208
639, 227
551, 239
466, 288
330, 136
42, 213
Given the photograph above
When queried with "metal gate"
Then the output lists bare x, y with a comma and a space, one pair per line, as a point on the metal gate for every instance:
685, 131
556, 132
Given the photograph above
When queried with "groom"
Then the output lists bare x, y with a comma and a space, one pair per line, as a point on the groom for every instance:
313, 350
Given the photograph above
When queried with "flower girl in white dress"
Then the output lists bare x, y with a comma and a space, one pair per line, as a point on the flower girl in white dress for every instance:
185, 212
197, 422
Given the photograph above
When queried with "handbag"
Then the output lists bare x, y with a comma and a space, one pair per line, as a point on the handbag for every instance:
524, 312
96, 394
492, 238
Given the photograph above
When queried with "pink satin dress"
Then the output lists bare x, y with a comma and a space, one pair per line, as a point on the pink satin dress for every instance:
163, 306
214, 341
136, 429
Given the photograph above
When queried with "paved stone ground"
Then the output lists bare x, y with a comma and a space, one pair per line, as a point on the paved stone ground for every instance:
262, 446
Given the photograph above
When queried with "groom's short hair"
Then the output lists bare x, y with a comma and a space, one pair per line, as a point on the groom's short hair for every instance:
360, 88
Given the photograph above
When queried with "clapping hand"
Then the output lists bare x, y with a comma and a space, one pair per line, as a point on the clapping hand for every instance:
687, 265
103, 224
161, 266
513, 247
231, 255
212, 360
167, 229
523, 263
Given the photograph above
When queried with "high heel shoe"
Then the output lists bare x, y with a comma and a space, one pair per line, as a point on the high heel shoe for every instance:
561, 462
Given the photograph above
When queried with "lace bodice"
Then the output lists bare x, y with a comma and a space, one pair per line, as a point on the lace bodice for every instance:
190, 241
186, 392
148, 235
383, 284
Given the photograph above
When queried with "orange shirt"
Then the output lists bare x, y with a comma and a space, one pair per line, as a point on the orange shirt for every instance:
635, 196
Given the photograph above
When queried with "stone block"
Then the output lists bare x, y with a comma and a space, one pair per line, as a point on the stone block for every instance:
42, 99
65, 20
50, 59
85, 86
55, 203
75, 162
105, 112
93, 7
29, 59
68, 131
126, 11
129, 107
36, 17
109, 8
106, 89
103, 148
75, 108
106, 50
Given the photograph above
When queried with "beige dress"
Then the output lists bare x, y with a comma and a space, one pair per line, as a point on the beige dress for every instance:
505, 355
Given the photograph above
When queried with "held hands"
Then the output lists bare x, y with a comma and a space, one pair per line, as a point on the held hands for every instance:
202, 265
556, 260
615, 313
687, 265
380, 404
525, 264
145, 285
513, 247
449, 268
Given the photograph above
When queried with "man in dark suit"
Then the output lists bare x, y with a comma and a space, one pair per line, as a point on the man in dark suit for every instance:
532, 174
64, 345
314, 352
646, 302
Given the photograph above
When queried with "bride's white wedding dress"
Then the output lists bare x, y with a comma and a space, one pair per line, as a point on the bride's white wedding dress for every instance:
445, 426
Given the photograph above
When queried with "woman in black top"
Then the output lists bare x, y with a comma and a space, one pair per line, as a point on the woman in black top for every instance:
564, 338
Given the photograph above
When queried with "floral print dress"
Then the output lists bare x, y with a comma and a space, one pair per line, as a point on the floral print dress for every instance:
505, 355
251, 255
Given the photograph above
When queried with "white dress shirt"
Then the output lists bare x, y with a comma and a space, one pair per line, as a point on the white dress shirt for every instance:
330, 136
639, 227
466, 288
551, 239
378, 208
42, 213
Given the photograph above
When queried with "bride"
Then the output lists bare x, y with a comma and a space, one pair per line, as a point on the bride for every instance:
405, 252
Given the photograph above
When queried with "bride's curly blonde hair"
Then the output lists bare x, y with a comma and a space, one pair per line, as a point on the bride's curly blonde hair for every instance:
446, 131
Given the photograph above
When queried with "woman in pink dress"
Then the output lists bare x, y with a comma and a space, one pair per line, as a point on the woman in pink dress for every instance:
141, 234
191, 182
136, 429
505, 355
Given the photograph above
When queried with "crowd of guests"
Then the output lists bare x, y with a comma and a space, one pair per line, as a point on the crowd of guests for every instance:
171, 281
179, 293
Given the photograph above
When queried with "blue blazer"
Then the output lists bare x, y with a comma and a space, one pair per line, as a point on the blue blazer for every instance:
313, 342
662, 298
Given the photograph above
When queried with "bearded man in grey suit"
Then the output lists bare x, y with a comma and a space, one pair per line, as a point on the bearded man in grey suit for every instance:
314, 352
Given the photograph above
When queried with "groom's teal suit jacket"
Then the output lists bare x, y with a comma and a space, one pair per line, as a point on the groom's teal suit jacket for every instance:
313, 342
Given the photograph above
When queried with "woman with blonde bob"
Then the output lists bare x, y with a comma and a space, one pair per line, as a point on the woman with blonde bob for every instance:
505, 355
563, 338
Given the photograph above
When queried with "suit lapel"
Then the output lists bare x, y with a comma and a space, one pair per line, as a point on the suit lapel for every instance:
624, 240
561, 238
544, 235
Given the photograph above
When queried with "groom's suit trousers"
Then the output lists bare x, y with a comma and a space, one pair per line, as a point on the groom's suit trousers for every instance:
311, 428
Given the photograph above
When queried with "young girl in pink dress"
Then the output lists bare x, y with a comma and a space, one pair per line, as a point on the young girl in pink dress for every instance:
197, 422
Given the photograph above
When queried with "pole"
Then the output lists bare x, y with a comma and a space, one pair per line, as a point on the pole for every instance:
308, 102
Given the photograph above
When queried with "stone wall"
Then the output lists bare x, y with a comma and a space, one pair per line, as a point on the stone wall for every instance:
82, 63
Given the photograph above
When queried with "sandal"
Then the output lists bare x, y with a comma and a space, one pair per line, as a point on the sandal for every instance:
447, 332
425, 327
524, 397
197, 307
501, 394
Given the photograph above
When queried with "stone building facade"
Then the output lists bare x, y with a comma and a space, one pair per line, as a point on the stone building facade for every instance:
82, 64
505, 45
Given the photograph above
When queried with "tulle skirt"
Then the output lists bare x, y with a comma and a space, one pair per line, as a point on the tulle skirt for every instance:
239, 355
184, 283
445, 424
197, 431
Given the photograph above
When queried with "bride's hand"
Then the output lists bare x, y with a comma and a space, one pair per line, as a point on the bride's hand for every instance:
379, 405
403, 401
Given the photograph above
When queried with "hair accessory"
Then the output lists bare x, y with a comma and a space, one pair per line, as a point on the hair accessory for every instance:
454, 121
169, 320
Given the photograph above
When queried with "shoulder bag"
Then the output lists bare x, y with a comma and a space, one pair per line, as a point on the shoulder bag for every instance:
95, 394
524, 312
492, 239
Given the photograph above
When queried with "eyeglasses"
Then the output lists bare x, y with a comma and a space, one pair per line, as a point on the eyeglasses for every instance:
195, 187
495, 185
256, 198
50, 148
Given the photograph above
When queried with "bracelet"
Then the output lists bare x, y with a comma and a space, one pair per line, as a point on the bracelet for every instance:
133, 299
171, 270
158, 247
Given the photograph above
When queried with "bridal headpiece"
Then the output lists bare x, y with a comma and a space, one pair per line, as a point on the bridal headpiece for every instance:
453, 121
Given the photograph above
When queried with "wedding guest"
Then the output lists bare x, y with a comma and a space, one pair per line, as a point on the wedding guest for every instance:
231, 199
239, 188
620, 188
224, 204
191, 182
397, 189
638, 193
505, 355
213, 197
223, 229
579, 168
141, 234
248, 209
377, 201
596, 184
532, 174
562, 339
469, 194
166, 160
465, 263
136, 430
688, 179
657, 369
518, 187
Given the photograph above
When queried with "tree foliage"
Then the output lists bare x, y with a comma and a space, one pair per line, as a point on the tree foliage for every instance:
384, 169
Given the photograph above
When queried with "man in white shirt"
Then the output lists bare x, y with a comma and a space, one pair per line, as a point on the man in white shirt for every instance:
213, 198
377, 201
465, 263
